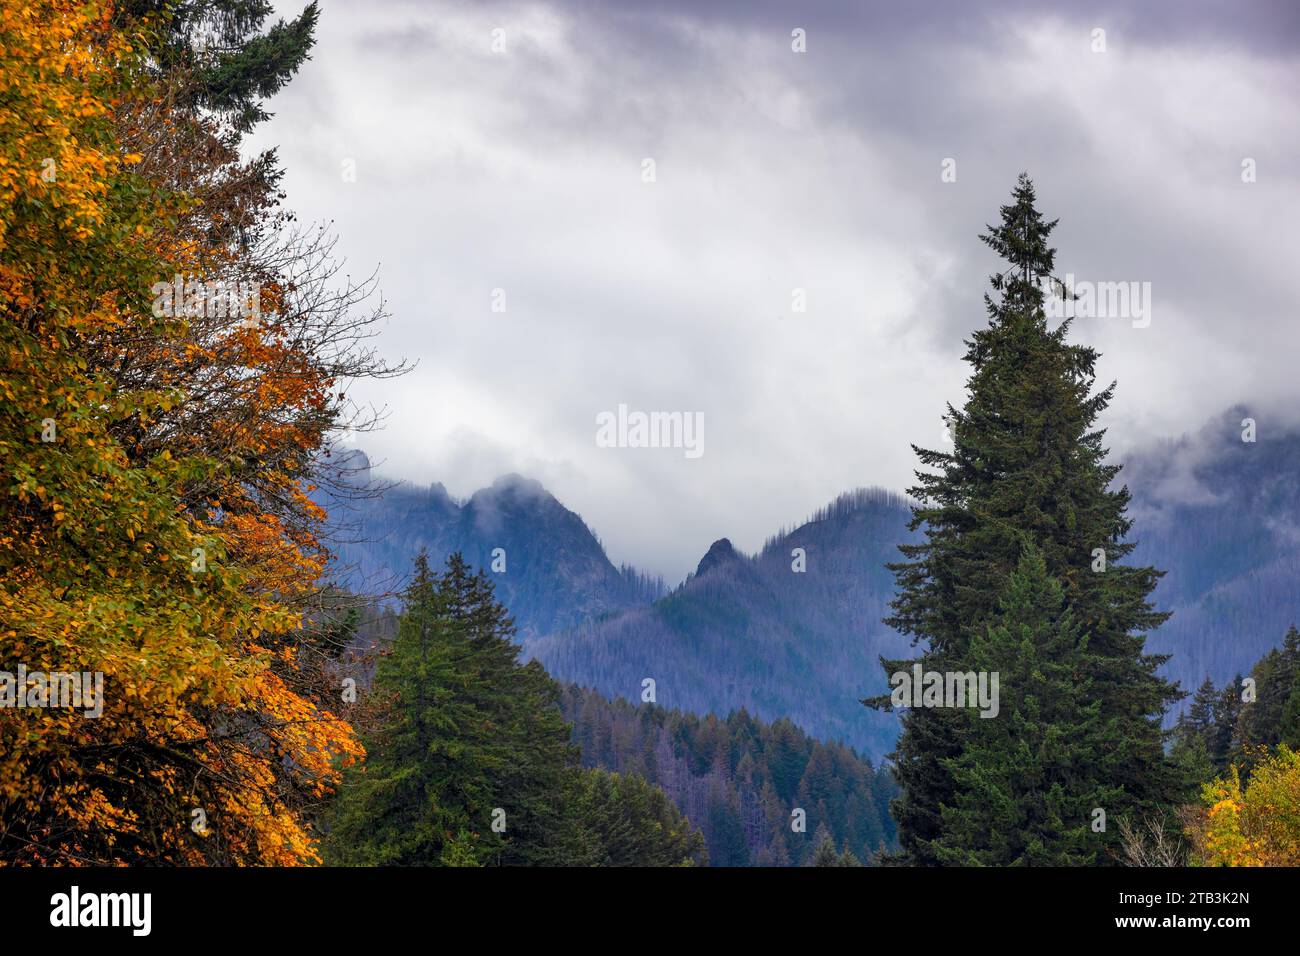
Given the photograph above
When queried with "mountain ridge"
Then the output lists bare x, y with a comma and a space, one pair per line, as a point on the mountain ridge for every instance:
795, 629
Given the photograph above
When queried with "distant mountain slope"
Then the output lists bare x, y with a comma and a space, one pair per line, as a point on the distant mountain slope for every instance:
551, 571
1222, 518
738, 779
1220, 515
753, 633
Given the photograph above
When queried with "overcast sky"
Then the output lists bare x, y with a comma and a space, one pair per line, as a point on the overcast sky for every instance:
522, 169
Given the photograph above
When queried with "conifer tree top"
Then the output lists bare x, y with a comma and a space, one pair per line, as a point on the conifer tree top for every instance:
1021, 238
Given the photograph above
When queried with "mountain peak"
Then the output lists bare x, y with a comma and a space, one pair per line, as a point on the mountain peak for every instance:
511, 491
529, 487
720, 552
348, 467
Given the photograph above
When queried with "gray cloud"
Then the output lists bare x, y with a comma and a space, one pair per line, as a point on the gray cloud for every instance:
779, 171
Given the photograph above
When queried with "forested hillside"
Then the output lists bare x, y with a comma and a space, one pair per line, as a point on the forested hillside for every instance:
1222, 517
740, 780
761, 634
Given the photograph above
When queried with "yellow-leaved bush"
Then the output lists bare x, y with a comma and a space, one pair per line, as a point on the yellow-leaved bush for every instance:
1255, 824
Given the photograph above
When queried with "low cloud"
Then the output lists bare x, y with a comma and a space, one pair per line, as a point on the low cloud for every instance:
777, 172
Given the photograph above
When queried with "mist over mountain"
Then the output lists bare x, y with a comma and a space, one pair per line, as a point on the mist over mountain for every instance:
798, 634
549, 568
1222, 517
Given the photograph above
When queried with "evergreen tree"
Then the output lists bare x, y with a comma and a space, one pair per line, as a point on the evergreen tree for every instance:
1196, 733
725, 825
1199, 719
470, 762
627, 821
231, 64
1025, 779
1205, 737
1026, 467
824, 853
1290, 730
471, 739
1274, 716
1222, 743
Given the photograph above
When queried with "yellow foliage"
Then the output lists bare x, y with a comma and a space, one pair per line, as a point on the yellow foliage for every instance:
98, 528
1254, 825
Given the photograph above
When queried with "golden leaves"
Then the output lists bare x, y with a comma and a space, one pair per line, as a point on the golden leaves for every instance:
203, 705
1254, 825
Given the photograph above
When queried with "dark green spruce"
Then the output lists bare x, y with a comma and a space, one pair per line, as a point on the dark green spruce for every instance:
1025, 793
233, 61
469, 761
1026, 474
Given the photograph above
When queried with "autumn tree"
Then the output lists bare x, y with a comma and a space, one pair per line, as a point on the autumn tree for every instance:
158, 450
1255, 824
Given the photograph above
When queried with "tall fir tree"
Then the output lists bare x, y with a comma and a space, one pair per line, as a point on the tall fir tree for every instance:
1026, 790
1027, 466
